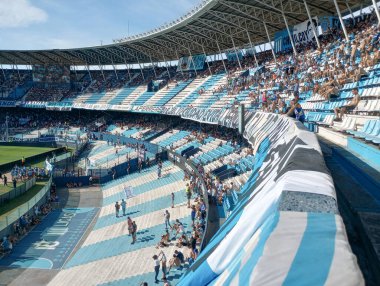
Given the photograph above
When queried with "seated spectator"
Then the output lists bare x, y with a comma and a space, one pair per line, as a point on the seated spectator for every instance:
182, 241
6, 244
165, 240
340, 111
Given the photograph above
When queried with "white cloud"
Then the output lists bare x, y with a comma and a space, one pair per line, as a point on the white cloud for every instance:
20, 13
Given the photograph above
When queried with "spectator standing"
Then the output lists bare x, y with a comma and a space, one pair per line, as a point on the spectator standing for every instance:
167, 219
117, 208
134, 231
159, 171
5, 179
172, 200
14, 182
156, 268
123, 206
193, 213
188, 194
163, 265
130, 225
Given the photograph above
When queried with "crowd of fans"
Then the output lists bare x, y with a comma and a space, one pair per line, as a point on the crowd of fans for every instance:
22, 173
46, 93
10, 80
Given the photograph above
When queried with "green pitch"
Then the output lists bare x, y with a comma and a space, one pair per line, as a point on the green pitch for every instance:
13, 153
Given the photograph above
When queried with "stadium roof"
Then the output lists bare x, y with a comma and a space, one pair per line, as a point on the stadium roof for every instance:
213, 25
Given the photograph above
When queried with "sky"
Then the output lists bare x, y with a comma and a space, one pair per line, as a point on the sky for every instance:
59, 24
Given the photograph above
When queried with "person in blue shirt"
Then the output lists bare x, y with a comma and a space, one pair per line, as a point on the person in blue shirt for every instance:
298, 112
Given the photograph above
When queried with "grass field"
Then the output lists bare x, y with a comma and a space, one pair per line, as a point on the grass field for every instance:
13, 153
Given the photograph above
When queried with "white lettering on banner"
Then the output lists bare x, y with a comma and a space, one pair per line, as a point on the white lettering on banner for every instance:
303, 32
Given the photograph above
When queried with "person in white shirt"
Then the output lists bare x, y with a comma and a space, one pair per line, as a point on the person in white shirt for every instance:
156, 267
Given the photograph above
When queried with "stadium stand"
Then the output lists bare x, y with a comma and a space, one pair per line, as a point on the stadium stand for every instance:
270, 186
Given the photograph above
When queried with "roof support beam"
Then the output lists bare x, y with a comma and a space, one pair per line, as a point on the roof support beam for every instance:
270, 43
312, 24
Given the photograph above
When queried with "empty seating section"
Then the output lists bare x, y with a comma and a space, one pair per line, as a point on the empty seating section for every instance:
207, 85
211, 152
134, 95
369, 132
171, 93
170, 138
95, 97
210, 95
121, 95
189, 89
143, 98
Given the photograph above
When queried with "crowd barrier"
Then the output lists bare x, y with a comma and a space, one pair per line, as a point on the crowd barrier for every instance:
7, 220
152, 148
105, 175
189, 167
18, 191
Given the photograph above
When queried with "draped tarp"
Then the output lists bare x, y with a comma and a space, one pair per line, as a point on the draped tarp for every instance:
273, 237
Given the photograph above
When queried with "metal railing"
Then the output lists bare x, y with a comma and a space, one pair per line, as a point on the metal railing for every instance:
18, 191
11, 217
188, 166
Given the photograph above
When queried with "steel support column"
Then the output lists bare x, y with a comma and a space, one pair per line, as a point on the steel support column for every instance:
270, 42
126, 65
253, 48
341, 20
166, 65
236, 53
18, 72
220, 52
117, 77
208, 65
180, 68
312, 24
154, 71
88, 69
2, 69
289, 34
376, 11
195, 70
352, 14
101, 70
142, 74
